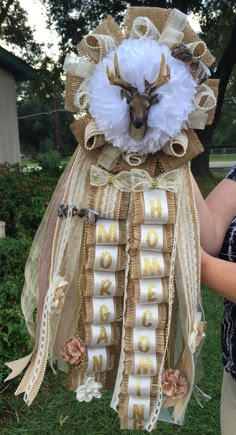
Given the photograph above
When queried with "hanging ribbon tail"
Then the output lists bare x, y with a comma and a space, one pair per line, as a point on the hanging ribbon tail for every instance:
17, 366
200, 396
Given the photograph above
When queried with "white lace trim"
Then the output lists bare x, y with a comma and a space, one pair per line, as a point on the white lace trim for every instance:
115, 397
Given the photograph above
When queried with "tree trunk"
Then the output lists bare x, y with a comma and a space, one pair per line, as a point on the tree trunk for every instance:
200, 165
57, 125
224, 71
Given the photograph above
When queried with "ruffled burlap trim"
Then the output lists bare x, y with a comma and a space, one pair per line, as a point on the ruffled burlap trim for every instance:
136, 290
89, 314
168, 233
115, 334
122, 239
159, 340
130, 364
153, 386
121, 260
119, 278
110, 360
98, 199
124, 405
138, 208
135, 266
131, 315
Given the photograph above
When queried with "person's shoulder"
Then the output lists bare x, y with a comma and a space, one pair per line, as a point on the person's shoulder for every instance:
232, 173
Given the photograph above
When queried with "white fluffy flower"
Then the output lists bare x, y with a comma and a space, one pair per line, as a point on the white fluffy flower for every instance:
139, 59
89, 390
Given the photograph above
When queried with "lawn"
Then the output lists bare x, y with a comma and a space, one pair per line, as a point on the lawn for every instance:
55, 410
223, 157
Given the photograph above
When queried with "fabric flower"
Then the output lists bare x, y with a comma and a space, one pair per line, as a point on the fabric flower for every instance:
89, 390
59, 296
73, 351
174, 384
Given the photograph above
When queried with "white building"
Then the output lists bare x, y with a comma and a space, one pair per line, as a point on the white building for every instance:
12, 69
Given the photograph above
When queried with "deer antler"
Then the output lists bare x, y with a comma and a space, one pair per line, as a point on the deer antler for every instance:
116, 79
161, 79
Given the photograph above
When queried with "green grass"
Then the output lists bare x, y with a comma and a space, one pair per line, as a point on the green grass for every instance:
222, 157
55, 411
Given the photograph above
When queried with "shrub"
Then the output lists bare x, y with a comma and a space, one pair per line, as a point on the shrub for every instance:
14, 336
13, 255
24, 197
50, 160
15, 339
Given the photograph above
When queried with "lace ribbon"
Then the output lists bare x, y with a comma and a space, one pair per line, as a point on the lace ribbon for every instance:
137, 180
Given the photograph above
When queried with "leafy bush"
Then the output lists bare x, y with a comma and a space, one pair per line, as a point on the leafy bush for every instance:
24, 196
15, 339
14, 336
50, 160
13, 255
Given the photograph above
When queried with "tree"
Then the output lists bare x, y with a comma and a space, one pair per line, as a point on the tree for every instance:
224, 49
16, 32
39, 130
50, 129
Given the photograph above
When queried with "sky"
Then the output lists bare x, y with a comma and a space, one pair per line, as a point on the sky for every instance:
37, 19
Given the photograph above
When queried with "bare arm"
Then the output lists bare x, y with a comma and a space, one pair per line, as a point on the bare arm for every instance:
215, 214
219, 275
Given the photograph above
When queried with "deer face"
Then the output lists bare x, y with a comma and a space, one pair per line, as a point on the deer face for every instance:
139, 103
139, 108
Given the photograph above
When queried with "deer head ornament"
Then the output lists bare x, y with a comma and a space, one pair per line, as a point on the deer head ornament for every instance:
139, 103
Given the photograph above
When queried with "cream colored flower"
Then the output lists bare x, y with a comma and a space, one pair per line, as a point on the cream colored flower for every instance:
90, 389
